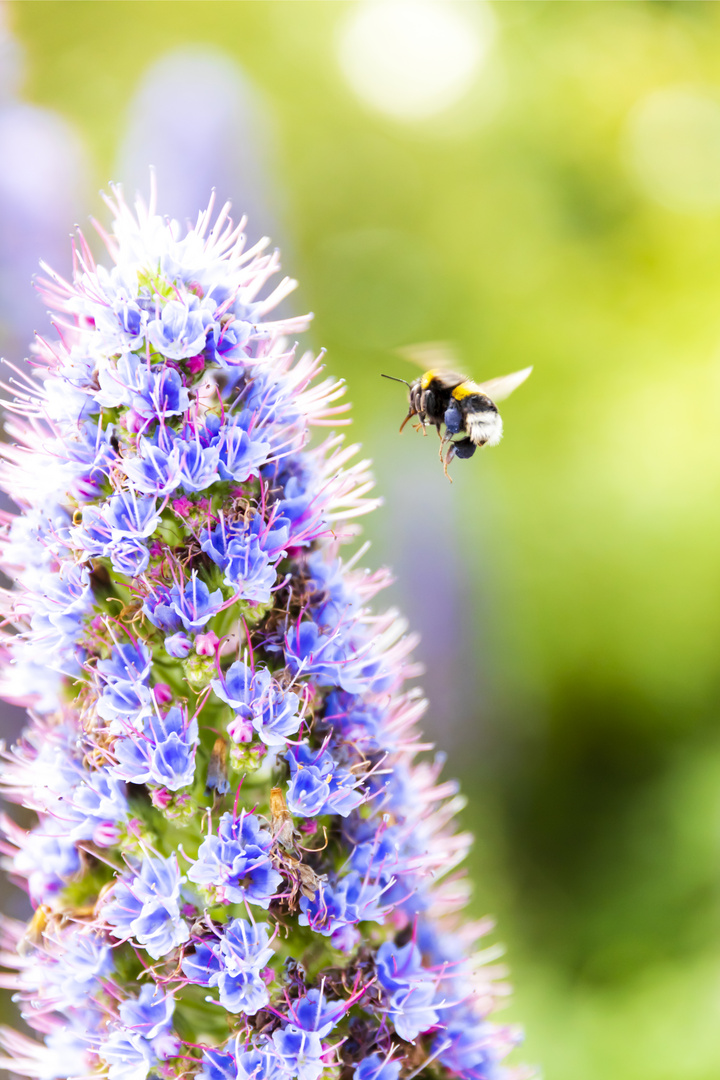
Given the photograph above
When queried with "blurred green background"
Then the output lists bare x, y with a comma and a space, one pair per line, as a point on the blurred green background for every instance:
562, 211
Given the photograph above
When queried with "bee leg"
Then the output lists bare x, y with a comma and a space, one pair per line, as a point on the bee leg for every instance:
445, 440
447, 459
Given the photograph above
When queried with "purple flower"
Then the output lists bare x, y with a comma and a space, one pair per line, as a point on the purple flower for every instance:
128, 662
300, 1052
320, 786
160, 394
191, 607
399, 966
76, 970
232, 962
146, 909
313, 1012
93, 535
130, 557
150, 1013
332, 599
156, 471
121, 380
158, 608
217, 1065
259, 700
180, 329
124, 677
163, 752
248, 554
341, 903
241, 454
226, 341
198, 465
124, 700
178, 645
58, 606
93, 455
125, 315
376, 1067
335, 659
411, 1010
236, 862
143, 1036
259, 1064
471, 1049
127, 1054
411, 989
132, 516
358, 720
308, 792
195, 605
97, 806
48, 862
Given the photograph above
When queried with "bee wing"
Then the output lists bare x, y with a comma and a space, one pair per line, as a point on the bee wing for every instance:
499, 389
431, 356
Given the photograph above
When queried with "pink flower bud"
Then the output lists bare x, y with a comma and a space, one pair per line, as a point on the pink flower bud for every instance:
134, 827
241, 730
105, 834
161, 798
162, 693
195, 364
182, 506
206, 644
134, 422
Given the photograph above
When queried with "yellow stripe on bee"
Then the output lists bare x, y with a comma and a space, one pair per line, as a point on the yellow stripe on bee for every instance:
465, 389
427, 378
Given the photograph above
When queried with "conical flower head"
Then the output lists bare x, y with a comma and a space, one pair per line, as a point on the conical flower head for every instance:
241, 867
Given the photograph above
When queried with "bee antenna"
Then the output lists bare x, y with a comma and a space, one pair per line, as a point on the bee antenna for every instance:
395, 379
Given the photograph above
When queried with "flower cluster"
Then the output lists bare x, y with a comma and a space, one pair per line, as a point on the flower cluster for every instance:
243, 864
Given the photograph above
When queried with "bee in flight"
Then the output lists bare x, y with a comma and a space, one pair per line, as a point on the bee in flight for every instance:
466, 408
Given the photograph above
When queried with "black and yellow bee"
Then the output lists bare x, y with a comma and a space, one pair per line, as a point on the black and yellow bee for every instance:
441, 396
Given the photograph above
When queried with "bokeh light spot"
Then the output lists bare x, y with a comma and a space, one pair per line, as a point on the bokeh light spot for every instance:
412, 59
217, 135
672, 148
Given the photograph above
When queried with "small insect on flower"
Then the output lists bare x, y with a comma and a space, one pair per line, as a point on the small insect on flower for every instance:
35, 929
282, 827
217, 771
442, 395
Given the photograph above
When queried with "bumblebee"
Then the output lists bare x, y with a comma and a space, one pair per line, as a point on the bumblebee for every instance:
467, 409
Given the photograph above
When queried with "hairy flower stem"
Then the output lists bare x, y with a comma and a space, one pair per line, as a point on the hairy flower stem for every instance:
241, 867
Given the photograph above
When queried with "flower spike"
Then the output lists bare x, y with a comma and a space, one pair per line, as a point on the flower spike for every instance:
241, 868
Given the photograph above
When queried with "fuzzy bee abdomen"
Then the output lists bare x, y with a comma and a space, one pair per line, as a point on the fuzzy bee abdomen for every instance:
484, 427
